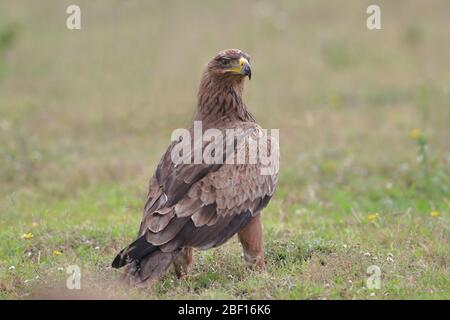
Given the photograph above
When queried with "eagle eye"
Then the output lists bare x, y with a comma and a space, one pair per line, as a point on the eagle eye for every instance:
225, 61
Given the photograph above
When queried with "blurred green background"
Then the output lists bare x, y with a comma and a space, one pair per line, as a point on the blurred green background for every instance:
364, 119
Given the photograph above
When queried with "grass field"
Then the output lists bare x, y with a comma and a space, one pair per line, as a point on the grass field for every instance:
364, 119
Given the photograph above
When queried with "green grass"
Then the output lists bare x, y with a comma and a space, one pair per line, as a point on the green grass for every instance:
85, 116
7, 36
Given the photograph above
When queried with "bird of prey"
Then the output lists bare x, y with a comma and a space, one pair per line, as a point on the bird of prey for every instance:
202, 205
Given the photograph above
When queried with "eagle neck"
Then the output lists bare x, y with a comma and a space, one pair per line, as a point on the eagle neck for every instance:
220, 99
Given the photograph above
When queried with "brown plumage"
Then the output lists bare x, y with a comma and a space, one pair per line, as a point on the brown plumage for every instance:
203, 205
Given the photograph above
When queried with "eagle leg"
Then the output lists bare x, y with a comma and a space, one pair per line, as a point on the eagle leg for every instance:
251, 238
183, 263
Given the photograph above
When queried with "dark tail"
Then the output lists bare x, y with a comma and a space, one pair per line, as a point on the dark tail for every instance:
146, 261
134, 252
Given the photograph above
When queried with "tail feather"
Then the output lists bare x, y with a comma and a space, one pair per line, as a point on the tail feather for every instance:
144, 261
134, 252
153, 266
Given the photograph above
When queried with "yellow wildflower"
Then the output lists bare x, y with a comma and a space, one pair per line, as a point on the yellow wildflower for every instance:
27, 236
372, 217
435, 214
415, 134
335, 100
57, 253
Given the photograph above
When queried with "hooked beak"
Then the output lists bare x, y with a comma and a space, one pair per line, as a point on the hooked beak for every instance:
246, 69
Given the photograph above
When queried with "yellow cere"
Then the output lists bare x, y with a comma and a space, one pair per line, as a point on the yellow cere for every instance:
242, 62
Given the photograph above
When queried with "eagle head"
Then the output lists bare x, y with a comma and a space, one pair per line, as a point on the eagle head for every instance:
230, 63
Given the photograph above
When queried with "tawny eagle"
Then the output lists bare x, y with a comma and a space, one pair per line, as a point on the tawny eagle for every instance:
202, 205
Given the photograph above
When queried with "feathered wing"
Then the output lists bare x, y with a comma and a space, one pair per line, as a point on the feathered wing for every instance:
197, 205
